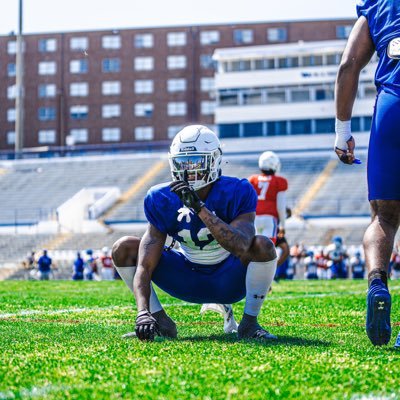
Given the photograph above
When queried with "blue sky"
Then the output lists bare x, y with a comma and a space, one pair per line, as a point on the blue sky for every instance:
72, 15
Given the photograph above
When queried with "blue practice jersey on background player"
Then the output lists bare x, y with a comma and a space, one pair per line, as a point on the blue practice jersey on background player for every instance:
383, 20
228, 198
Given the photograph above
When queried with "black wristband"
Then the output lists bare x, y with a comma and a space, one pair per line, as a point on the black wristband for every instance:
198, 206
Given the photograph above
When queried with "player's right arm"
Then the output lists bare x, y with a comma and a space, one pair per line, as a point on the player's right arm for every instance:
150, 250
357, 54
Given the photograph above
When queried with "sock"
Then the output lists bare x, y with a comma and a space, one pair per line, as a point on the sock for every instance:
377, 274
258, 281
127, 274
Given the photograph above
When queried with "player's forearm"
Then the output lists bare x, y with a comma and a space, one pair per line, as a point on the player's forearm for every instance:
232, 239
141, 288
346, 91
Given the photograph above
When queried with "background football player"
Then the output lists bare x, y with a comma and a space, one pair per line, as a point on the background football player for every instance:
220, 258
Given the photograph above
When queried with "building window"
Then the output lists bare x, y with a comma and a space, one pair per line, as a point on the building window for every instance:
47, 45
324, 94
176, 39
80, 89
111, 88
143, 63
47, 68
253, 129
78, 66
111, 134
301, 126
343, 31
144, 41
207, 107
176, 62
11, 115
265, 63
207, 84
173, 130
11, 69
288, 62
47, 136
277, 34
79, 43
10, 137
12, 92
111, 111
300, 95
12, 47
252, 98
312, 61
276, 97
369, 91
79, 135
276, 128
243, 36
325, 125
209, 37
333, 59
79, 112
144, 133
47, 113
207, 62
242, 65
176, 85
111, 65
228, 99
229, 130
47, 90
177, 108
144, 109
111, 42
144, 86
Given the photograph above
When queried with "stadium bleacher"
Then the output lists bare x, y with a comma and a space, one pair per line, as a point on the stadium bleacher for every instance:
32, 189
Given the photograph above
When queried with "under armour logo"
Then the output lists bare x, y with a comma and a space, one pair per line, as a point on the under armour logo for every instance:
258, 297
184, 212
381, 305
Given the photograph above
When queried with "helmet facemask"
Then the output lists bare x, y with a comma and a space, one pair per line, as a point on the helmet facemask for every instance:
198, 168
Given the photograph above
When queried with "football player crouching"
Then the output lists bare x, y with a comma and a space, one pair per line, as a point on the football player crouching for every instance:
220, 258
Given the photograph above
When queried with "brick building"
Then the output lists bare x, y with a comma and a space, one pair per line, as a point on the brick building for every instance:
128, 85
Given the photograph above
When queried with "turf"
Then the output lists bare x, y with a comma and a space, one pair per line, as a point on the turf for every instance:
62, 339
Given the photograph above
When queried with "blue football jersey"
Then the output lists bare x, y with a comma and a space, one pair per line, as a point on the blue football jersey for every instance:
384, 24
228, 198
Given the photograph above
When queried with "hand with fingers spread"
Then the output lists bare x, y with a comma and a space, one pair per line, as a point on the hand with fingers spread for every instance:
187, 194
344, 143
146, 327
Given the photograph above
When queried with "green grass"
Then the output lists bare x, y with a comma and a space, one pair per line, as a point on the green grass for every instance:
322, 351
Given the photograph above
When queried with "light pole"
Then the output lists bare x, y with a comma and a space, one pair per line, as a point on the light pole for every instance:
19, 83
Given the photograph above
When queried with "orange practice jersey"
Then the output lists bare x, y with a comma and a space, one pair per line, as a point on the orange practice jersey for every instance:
267, 188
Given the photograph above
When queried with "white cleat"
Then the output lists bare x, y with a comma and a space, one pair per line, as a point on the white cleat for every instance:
226, 310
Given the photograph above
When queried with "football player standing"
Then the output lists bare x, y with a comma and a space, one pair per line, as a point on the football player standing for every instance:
377, 29
220, 258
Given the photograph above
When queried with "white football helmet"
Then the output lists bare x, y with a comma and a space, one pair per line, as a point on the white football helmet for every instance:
195, 155
269, 161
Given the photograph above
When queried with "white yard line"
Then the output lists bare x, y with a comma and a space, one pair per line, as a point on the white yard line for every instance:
23, 313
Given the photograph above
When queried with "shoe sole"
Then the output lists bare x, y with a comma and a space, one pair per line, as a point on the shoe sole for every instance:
378, 330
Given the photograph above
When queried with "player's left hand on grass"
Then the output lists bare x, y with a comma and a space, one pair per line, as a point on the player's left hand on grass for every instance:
146, 327
187, 194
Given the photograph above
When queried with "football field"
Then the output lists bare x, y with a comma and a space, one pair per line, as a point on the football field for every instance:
62, 339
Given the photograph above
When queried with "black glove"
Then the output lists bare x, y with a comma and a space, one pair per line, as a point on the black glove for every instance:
146, 326
187, 194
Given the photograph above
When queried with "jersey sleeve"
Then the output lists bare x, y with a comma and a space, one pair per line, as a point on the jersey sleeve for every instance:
153, 213
245, 199
363, 8
282, 184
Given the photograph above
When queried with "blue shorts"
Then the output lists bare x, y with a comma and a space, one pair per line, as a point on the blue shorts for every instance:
384, 149
223, 283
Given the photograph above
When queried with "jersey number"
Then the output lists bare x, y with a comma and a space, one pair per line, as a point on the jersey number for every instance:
200, 240
263, 186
